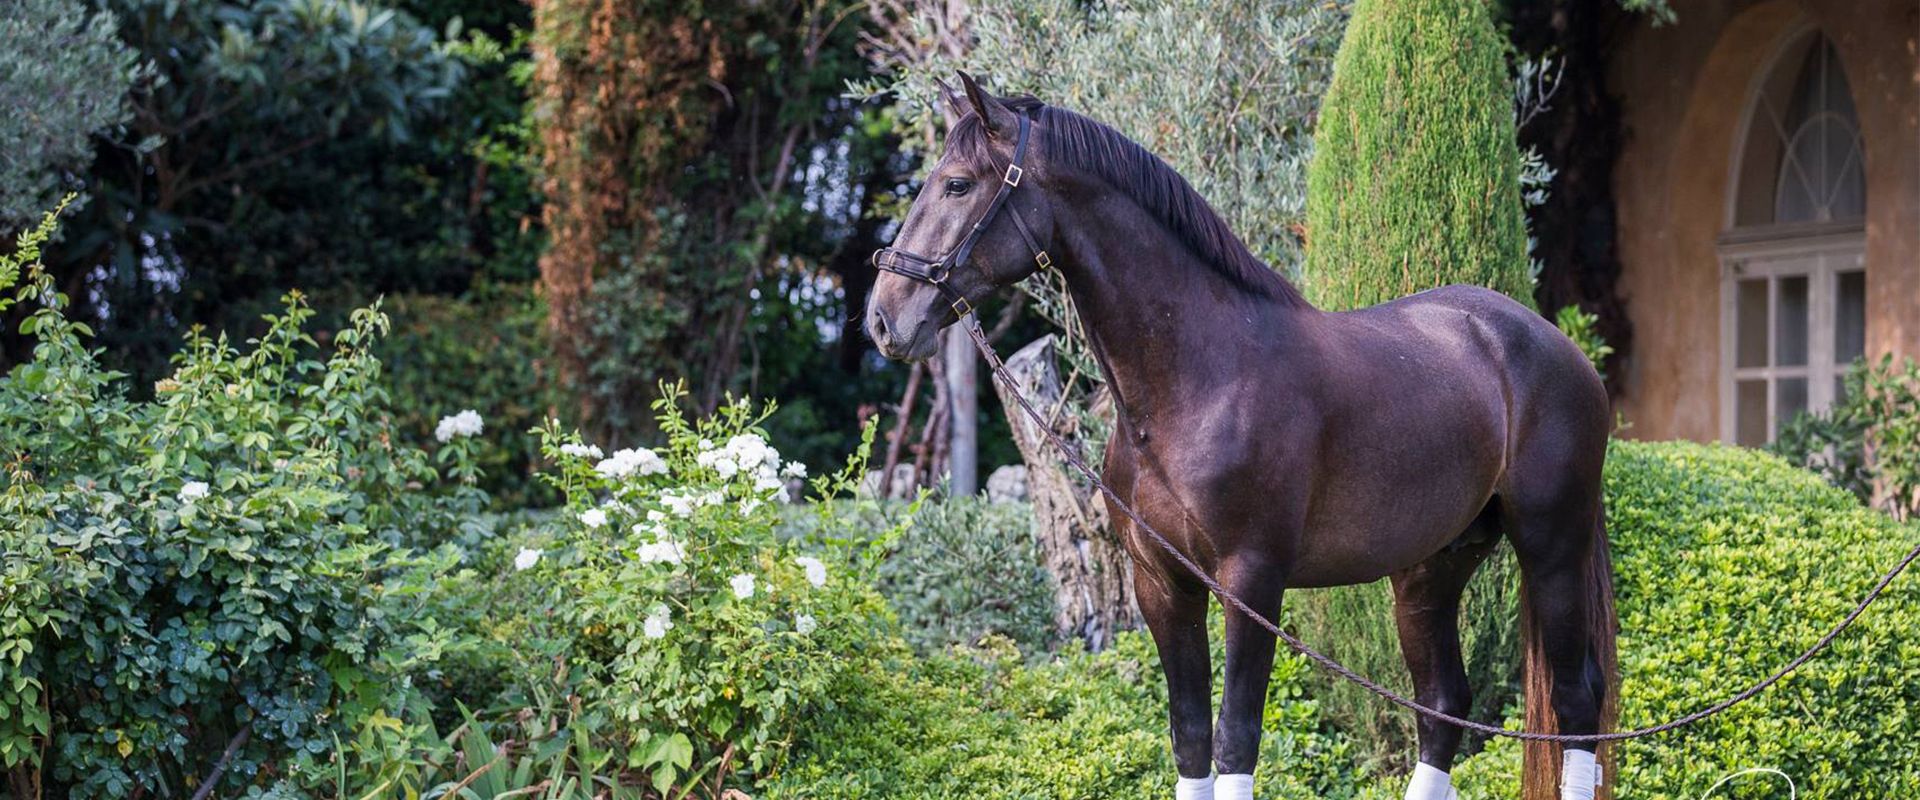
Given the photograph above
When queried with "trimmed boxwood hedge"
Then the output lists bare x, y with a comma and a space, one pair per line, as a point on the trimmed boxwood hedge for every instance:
981, 723
1727, 563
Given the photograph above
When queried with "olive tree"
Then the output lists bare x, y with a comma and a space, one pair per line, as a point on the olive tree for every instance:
63, 77
1225, 93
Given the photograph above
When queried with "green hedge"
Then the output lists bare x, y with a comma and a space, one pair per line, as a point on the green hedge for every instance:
979, 723
1727, 563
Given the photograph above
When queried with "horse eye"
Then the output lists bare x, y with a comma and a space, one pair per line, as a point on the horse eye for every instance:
958, 186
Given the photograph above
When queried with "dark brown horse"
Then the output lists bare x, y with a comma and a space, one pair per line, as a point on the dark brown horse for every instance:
1278, 445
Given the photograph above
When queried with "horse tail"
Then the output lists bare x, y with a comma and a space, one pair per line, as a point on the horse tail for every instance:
1540, 768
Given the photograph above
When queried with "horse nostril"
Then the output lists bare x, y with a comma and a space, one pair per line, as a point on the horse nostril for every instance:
877, 326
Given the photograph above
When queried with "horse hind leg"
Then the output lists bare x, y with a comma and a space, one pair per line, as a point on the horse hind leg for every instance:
1426, 607
1567, 633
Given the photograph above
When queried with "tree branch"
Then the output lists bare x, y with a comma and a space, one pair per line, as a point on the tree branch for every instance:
220, 767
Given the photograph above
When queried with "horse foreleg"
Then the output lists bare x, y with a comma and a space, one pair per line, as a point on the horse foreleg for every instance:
1177, 617
1426, 607
1236, 740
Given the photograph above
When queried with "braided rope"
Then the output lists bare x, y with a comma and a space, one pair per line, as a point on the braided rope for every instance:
1074, 458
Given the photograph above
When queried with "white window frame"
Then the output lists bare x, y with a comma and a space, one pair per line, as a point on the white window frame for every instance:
1820, 253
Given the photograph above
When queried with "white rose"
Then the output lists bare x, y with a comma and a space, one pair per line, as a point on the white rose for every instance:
658, 622
526, 559
804, 624
632, 461
581, 450
194, 490
742, 586
816, 571
465, 423
662, 551
678, 504
593, 517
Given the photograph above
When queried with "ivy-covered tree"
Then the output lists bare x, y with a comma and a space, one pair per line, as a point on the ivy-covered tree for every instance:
1415, 181
703, 177
63, 76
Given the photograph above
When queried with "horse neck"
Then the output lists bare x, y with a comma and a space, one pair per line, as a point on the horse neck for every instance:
1162, 323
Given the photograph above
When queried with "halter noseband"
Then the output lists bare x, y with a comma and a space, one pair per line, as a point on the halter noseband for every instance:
936, 271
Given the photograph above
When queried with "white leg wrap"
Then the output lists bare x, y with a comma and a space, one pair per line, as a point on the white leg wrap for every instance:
1194, 789
1233, 787
1579, 775
1430, 783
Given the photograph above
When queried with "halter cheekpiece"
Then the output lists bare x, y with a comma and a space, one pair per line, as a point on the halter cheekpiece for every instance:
936, 271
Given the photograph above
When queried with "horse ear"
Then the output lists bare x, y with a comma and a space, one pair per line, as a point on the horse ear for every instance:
998, 117
952, 103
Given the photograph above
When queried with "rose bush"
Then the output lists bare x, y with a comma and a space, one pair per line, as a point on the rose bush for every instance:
666, 599
207, 587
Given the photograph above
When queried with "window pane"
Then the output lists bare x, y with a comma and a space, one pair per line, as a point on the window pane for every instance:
1790, 400
1750, 300
1750, 413
1850, 318
1790, 349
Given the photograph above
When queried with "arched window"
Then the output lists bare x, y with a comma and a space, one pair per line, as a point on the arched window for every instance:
1793, 272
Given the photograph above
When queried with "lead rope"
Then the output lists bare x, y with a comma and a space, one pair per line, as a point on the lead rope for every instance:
1073, 457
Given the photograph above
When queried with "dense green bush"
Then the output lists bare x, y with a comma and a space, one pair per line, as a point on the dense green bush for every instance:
658, 632
961, 569
1355, 625
979, 723
486, 351
1729, 562
210, 571
1415, 179
64, 76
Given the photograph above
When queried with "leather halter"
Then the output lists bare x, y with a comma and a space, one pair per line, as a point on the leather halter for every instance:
936, 271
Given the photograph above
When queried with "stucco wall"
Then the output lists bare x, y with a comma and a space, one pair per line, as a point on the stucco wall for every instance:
1684, 90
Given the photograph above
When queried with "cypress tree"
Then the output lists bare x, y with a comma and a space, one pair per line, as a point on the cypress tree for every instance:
1415, 180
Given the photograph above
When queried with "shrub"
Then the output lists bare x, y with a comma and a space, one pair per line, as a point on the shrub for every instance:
207, 573
1415, 183
961, 569
1355, 625
1584, 329
64, 76
1415, 178
664, 599
1868, 443
978, 723
487, 352
1728, 563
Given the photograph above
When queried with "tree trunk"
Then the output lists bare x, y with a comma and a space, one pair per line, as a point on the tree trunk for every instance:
963, 429
1093, 578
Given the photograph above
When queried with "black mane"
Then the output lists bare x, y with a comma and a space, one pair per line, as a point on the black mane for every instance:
1082, 144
